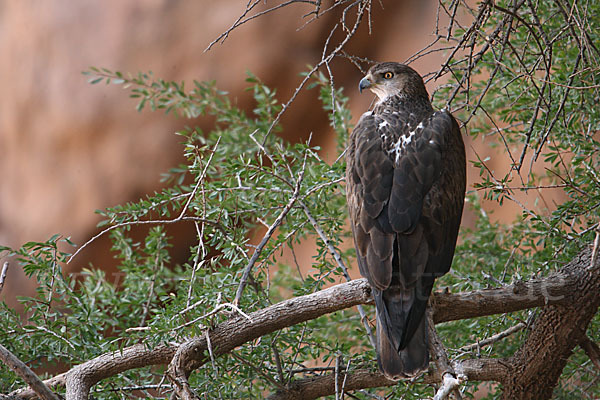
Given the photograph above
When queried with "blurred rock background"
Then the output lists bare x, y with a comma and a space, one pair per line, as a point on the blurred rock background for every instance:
69, 148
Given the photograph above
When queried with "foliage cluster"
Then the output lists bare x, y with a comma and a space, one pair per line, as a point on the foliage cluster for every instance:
238, 179
527, 84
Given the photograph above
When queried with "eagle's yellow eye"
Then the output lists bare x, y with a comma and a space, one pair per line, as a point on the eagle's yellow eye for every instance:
388, 75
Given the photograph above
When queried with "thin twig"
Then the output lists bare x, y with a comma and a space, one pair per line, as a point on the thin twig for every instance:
146, 308
558, 112
278, 363
338, 259
3, 275
265, 239
296, 352
361, 9
493, 338
211, 354
56, 335
258, 370
213, 312
242, 20
197, 262
595, 249
237, 23
181, 216
337, 376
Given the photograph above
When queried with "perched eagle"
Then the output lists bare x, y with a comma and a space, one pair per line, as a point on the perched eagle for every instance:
405, 181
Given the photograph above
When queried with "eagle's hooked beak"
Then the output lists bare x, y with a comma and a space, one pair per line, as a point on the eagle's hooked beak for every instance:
364, 83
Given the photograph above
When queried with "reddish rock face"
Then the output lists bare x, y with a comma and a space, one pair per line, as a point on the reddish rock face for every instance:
69, 148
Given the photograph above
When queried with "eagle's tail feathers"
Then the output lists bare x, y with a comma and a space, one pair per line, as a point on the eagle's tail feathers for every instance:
405, 363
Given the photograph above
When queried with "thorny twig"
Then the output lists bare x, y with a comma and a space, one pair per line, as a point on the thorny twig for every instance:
332, 250
181, 216
362, 6
266, 237
242, 19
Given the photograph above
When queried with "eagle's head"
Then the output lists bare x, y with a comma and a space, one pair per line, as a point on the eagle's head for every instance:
391, 79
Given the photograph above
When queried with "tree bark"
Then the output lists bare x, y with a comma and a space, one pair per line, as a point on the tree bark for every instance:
25, 372
484, 369
539, 362
571, 297
556, 288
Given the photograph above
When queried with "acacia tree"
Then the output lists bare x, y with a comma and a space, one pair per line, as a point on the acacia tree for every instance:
236, 321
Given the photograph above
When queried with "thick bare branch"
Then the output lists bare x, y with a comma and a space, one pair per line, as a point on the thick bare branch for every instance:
324, 385
235, 332
554, 289
484, 369
538, 364
81, 378
557, 289
22, 370
225, 337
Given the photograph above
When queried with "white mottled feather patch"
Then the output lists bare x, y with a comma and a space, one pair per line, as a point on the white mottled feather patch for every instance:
403, 141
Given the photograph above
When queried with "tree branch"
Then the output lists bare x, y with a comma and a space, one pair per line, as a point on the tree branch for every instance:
444, 371
224, 338
80, 379
556, 288
21, 369
538, 364
561, 290
484, 369
494, 338
235, 332
592, 350
3, 275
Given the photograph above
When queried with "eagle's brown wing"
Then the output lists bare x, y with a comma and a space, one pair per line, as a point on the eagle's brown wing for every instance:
405, 188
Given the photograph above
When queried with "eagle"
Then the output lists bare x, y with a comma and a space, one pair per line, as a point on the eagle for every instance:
405, 187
